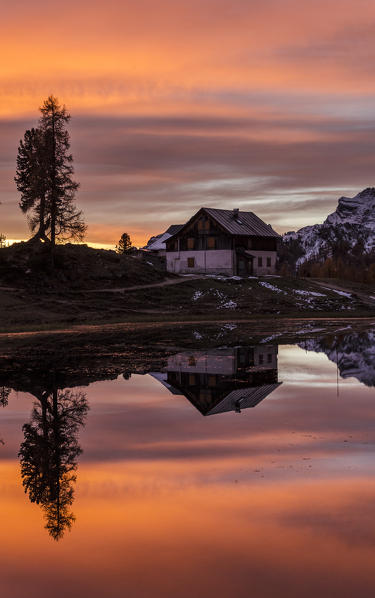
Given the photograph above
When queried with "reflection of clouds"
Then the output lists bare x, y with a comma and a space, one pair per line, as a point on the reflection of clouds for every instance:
275, 497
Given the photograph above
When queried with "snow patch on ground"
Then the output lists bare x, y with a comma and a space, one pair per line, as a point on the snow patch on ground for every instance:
342, 293
230, 326
228, 305
309, 293
216, 276
271, 287
197, 295
269, 338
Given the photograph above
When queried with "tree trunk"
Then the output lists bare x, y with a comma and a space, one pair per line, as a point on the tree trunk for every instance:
53, 192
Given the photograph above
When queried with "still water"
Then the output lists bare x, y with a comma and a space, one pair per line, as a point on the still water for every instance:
241, 472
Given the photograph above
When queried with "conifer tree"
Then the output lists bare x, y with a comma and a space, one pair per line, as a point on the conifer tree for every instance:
31, 180
44, 177
124, 244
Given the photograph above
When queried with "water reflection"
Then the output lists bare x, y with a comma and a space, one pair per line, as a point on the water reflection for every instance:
50, 449
221, 380
49, 453
353, 353
283, 494
4, 395
214, 381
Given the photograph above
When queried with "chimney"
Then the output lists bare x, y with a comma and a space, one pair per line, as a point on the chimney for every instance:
235, 213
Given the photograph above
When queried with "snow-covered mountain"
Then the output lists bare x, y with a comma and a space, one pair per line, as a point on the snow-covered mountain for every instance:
354, 355
351, 223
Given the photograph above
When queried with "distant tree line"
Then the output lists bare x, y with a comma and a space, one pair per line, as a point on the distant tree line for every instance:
344, 267
339, 257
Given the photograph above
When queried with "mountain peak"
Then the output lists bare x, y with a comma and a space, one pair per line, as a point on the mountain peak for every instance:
353, 218
355, 210
368, 192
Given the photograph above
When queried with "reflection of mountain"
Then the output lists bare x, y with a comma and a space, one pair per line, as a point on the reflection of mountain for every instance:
354, 354
223, 379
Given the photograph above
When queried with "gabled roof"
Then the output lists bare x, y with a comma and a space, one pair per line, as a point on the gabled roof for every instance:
243, 398
241, 223
173, 229
158, 242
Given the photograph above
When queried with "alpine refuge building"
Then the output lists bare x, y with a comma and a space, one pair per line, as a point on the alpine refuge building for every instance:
223, 242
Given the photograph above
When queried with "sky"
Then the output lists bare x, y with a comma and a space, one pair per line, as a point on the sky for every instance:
262, 105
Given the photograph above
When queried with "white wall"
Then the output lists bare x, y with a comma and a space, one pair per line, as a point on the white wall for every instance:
199, 362
257, 270
216, 261
213, 261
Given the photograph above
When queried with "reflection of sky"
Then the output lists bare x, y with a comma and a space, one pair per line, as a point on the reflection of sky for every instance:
172, 504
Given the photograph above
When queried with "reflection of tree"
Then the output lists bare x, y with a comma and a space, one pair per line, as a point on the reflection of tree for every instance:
49, 454
4, 395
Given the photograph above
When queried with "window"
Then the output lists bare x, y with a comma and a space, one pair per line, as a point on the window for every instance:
261, 359
203, 224
191, 262
260, 262
268, 262
269, 357
190, 243
192, 361
211, 243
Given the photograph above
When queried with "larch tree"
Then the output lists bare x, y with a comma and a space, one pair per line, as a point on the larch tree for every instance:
44, 177
31, 180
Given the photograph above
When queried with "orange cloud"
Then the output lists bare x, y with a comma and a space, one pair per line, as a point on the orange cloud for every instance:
300, 73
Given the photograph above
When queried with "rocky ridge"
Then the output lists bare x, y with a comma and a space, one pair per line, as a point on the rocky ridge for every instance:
351, 224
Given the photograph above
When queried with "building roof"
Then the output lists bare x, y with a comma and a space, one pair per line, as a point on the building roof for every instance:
241, 223
173, 229
158, 243
243, 398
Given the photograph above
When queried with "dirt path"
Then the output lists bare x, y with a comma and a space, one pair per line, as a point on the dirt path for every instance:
364, 297
163, 283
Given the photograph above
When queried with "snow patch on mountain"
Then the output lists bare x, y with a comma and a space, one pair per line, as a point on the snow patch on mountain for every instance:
353, 221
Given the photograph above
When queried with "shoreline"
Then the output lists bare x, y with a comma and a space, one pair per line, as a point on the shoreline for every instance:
263, 323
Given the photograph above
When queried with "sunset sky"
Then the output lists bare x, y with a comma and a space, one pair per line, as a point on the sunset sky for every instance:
265, 105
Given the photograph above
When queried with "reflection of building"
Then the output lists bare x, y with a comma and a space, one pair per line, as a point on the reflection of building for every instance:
223, 379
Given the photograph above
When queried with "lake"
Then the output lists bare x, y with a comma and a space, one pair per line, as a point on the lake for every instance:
233, 471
